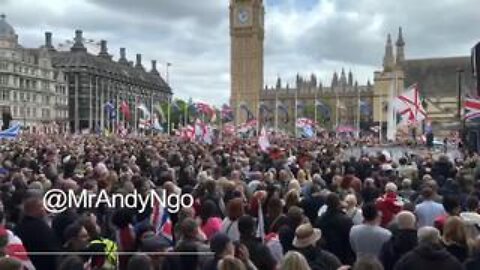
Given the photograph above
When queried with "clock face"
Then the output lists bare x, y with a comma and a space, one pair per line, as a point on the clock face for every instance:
243, 16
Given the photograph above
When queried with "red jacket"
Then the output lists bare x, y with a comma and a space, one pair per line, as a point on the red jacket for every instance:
389, 206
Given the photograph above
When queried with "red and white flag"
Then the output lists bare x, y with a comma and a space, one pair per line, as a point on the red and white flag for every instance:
409, 105
471, 107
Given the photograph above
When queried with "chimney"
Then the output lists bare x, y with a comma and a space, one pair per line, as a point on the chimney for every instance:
48, 41
123, 58
154, 68
138, 64
78, 44
103, 50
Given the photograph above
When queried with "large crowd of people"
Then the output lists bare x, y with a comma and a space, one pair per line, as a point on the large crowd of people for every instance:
300, 205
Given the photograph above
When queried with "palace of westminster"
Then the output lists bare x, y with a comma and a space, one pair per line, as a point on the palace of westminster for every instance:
435, 77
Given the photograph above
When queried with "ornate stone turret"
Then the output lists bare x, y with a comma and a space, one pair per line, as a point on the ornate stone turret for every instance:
350, 78
104, 50
154, 68
400, 44
388, 60
138, 64
48, 41
78, 44
122, 59
299, 82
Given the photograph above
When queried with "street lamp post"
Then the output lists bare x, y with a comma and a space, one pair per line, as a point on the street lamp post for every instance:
24, 114
459, 105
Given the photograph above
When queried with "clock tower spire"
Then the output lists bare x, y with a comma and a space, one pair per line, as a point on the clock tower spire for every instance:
246, 56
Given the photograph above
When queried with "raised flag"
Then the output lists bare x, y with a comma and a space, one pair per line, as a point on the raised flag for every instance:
471, 108
112, 113
145, 111
161, 114
125, 110
10, 133
409, 105
227, 113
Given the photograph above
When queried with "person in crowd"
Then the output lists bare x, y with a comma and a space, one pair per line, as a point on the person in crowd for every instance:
336, 226
429, 254
428, 210
286, 233
403, 239
7, 263
259, 253
407, 193
455, 238
306, 242
230, 223
389, 204
231, 263
210, 222
140, 261
222, 246
36, 234
471, 217
473, 262
353, 211
294, 260
451, 204
368, 238
367, 263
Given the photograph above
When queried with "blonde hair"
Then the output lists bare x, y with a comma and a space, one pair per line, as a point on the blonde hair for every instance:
294, 260
454, 231
231, 263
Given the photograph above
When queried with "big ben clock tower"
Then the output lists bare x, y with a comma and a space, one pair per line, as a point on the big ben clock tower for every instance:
246, 56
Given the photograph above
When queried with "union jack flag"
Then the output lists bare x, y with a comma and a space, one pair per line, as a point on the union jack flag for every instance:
471, 108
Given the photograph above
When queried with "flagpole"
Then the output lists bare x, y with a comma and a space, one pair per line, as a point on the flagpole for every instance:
296, 113
336, 110
257, 112
185, 114
315, 113
168, 115
276, 110
359, 112
136, 114
151, 113
380, 122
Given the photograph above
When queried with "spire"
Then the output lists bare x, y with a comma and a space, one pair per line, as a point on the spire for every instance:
154, 68
104, 50
388, 60
350, 78
400, 44
298, 82
313, 80
122, 59
335, 79
78, 44
279, 83
343, 78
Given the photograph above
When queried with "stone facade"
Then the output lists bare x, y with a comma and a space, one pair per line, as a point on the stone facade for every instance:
437, 80
29, 85
94, 80
246, 55
342, 98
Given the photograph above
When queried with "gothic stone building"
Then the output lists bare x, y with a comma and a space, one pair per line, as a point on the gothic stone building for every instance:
94, 80
342, 98
437, 80
30, 87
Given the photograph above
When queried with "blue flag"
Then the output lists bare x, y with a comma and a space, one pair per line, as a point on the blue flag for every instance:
10, 133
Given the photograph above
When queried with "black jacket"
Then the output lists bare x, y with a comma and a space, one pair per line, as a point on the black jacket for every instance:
259, 253
473, 263
426, 257
402, 241
319, 259
335, 226
37, 236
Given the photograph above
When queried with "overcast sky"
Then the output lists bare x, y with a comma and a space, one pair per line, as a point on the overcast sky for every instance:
305, 36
